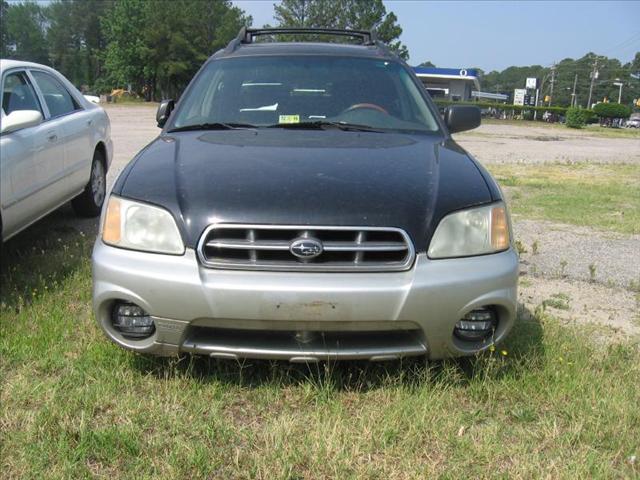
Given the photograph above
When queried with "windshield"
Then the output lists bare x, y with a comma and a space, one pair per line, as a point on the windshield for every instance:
283, 91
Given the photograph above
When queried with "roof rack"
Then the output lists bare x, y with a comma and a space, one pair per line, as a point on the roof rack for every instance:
367, 37
247, 35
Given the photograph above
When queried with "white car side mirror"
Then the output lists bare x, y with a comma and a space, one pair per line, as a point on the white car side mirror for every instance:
19, 119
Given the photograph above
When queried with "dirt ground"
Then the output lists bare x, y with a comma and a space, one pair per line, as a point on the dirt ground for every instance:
607, 299
495, 143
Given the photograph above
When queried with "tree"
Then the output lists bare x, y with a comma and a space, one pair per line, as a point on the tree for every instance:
610, 111
4, 38
344, 14
124, 57
427, 64
634, 66
158, 50
23, 31
577, 117
297, 13
76, 38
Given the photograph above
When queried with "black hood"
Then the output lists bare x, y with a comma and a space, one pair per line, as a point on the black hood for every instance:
300, 177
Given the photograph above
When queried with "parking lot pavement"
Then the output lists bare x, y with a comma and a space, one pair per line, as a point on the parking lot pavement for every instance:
132, 127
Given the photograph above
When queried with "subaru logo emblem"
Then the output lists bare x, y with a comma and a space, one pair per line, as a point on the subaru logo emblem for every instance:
306, 248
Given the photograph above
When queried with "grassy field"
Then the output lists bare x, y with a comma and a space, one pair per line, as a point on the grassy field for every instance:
549, 403
592, 195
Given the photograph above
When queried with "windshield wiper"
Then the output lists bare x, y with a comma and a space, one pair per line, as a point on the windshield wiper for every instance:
325, 124
213, 126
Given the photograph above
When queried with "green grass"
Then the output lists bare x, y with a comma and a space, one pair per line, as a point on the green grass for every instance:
73, 405
558, 300
598, 131
592, 195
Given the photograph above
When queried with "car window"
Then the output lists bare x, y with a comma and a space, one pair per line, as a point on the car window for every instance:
18, 94
296, 89
58, 99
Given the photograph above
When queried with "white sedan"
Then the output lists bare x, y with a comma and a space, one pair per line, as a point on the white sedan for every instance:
55, 146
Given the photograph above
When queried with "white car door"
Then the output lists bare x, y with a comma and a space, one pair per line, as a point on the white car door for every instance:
24, 193
73, 125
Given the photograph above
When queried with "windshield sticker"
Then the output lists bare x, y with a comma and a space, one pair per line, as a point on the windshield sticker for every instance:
266, 108
289, 119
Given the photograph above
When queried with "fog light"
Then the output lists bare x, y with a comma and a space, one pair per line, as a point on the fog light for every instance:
476, 325
132, 321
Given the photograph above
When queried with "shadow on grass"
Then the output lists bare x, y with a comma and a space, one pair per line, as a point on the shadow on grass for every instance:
518, 354
44, 255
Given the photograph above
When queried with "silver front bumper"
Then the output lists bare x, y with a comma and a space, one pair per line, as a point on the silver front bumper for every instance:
232, 314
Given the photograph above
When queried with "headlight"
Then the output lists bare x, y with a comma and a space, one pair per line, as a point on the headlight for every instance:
475, 231
138, 226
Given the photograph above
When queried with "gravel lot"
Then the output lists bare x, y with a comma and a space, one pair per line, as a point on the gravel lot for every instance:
567, 251
616, 257
132, 127
507, 143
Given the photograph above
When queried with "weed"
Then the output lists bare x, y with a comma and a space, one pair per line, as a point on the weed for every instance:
515, 195
524, 282
534, 247
634, 286
520, 247
508, 181
592, 272
563, 268
557, 300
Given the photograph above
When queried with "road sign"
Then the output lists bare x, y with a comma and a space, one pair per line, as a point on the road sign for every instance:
518, 96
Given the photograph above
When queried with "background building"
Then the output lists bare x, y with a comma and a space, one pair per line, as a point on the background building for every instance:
454, 84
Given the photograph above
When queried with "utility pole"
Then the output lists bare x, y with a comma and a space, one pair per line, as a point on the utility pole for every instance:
553, 79
594, 76
573, 95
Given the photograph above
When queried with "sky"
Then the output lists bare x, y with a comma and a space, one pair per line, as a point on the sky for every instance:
498, 34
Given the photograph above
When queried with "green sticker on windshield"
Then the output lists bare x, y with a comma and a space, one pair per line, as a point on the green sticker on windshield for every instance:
289, 119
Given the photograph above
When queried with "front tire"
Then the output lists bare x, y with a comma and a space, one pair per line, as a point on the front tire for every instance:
89, 202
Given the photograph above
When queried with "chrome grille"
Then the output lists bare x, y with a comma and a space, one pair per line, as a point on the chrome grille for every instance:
268, 247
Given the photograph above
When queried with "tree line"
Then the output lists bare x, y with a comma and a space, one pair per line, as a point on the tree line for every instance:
154, 47
571, 71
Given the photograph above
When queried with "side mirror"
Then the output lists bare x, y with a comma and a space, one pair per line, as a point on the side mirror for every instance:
462, 117
164, 111
19, 119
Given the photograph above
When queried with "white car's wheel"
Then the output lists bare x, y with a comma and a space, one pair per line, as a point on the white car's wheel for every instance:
89, 202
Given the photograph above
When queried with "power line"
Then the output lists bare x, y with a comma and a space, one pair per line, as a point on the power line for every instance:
631, 40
